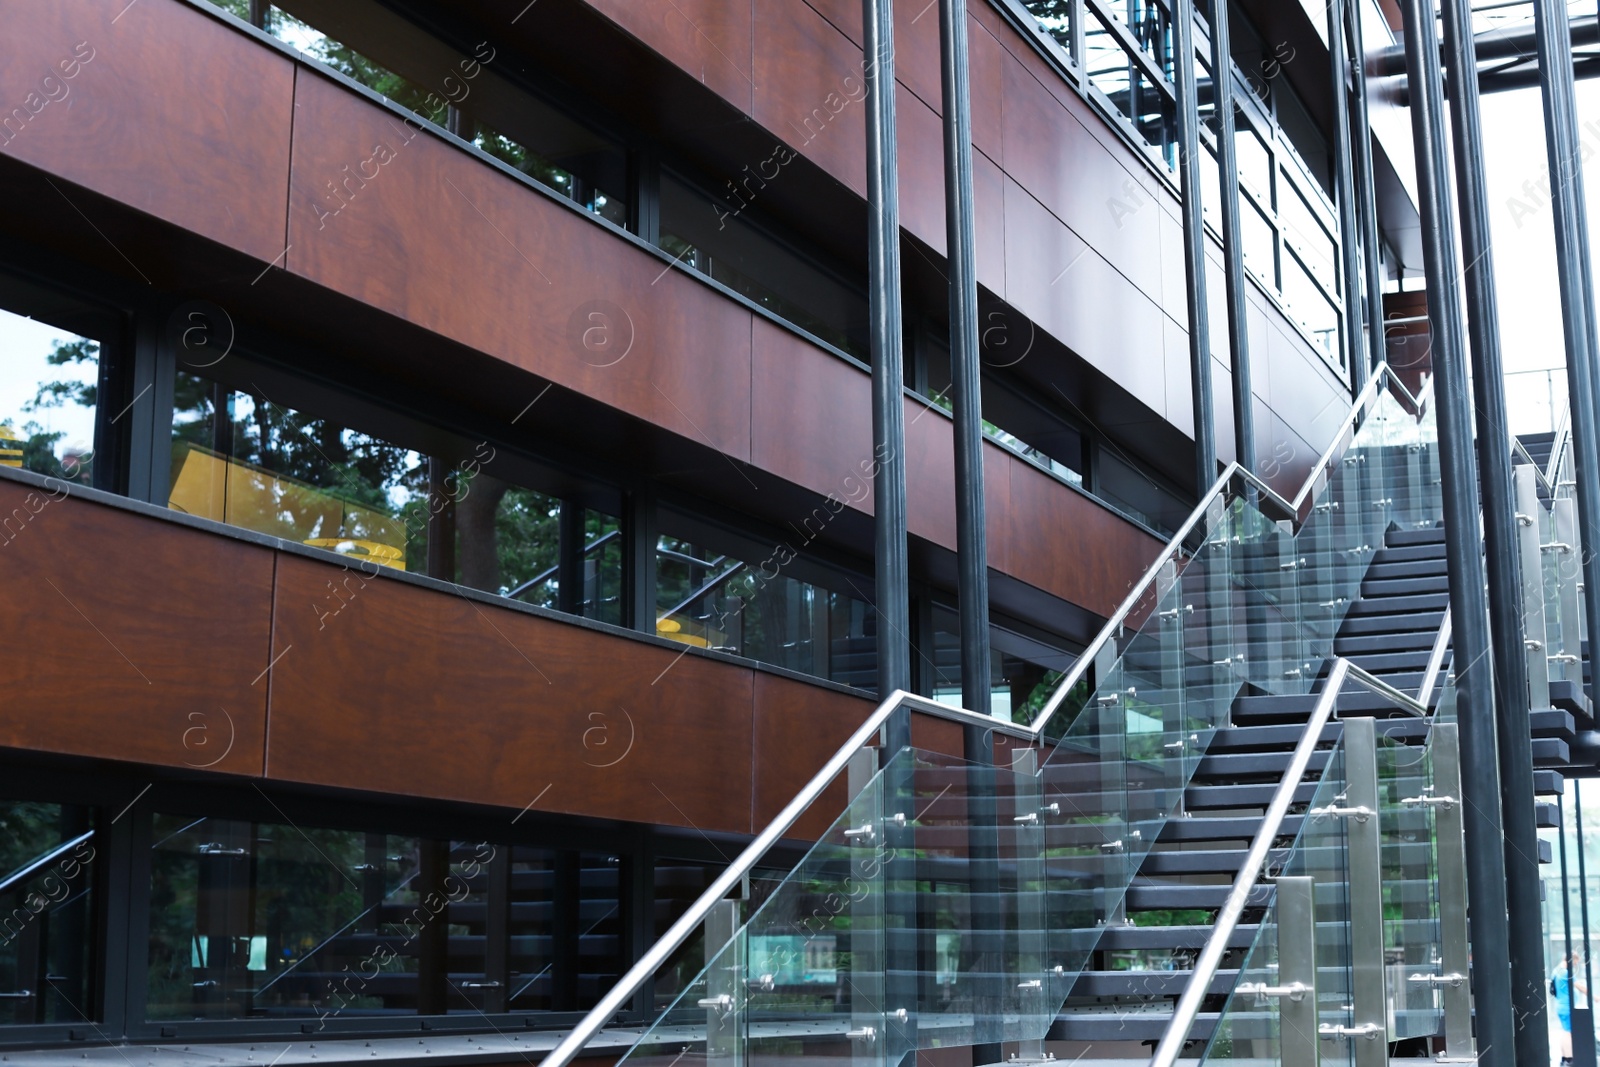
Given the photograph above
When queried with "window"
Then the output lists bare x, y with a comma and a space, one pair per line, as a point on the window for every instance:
48, 921
718, 237
1023, 671
49, 395
241, 458
763, 602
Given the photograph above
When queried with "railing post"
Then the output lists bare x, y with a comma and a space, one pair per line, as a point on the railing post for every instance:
1111, 729
1569, 575
868, 955
1454, 950
726, 992
1033, 942
1297, 965
1535, 640
1367, 972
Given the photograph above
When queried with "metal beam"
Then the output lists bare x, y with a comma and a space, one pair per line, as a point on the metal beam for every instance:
1469, 606
1194, 246
1513, 726
891, 567
1366, 193
1349, 247
1244, 410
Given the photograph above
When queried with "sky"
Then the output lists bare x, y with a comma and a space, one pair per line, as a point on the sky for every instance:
1523, 236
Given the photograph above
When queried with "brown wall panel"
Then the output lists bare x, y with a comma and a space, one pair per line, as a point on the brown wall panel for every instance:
1082, 552
798, 727
507, 271
500, 707
708, 38
809, 88
130, 638
169, 111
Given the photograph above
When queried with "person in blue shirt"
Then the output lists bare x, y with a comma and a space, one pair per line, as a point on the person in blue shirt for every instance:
1566, 990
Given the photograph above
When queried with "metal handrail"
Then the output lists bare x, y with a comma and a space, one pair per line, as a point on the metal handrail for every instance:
690, 921
1430, 678
545, 575
41, 862
1366, 397
1552, 472
1250, 871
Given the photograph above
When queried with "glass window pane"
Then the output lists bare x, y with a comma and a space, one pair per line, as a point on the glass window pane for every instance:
715, 236
1255, 162
1259, 243
242, 459
49, 389
709, 598
1054, 17
256, 920
1311, 240
47, 913
1308, 306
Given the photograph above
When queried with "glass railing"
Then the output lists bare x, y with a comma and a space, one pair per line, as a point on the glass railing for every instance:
912, 923
955, 905
1351, 948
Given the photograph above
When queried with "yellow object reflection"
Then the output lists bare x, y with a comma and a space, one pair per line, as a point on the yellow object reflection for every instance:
242, 494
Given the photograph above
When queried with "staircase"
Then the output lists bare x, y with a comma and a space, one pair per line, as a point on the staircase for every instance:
1102, 892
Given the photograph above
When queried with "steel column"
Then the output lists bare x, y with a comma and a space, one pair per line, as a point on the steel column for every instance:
1486, 882
1366, 191
1349, 249
1570, 215
1455, 950
1583, 1050
1244, 412
1513, 726
966, 378
891, 567
1194, 246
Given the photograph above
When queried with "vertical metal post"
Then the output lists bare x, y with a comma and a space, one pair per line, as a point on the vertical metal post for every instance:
891, 566
1032, 937
1513, 727
1349, 248
972, 558
1569, 574
1368, 975
1537, 644
1583, 1050
1297, 965
570, 539
1366, 191
1244, 411
867, 980
1454, 948
1570, 214
724, 1002
640, 535
1194, 245
1486, 882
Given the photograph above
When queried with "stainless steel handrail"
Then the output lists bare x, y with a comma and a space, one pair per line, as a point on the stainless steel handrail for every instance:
1367, 396
1250, 871
695, 915
1549, 476
1441, 644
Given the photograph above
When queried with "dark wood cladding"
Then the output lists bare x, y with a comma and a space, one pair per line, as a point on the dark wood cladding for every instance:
131, 638
168, 111
438, 238
427, 693
797, 728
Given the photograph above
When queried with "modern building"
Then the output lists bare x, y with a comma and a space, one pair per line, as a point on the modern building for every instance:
491, 492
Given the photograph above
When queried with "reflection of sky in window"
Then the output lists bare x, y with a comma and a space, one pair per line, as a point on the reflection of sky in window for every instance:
24, 347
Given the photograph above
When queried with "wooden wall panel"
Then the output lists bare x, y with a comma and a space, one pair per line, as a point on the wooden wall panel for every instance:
1080, 551
130, 638
502, 269
809, 88
500, 707
708, 38
798, 727
168, 110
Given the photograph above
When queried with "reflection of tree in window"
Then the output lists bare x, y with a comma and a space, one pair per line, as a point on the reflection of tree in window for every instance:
40, 447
